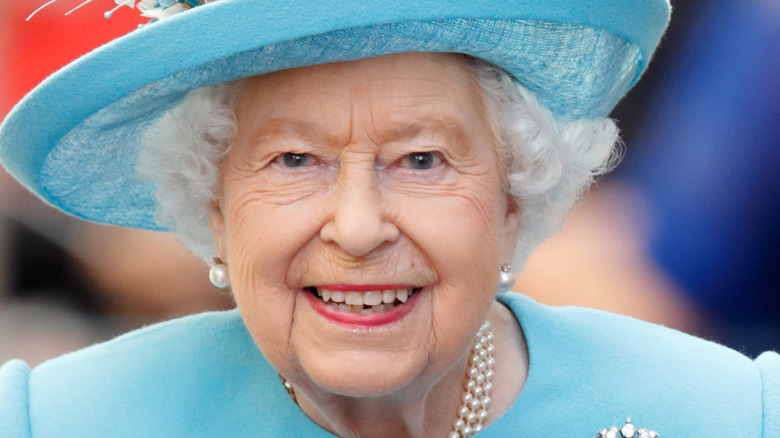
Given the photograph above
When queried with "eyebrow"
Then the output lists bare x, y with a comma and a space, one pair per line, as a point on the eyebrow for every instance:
449, 128
302, 129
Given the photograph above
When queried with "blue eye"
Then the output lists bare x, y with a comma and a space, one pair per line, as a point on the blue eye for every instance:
421, 160
290, 159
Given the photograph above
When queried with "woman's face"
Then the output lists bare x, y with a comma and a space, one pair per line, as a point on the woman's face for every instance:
364, 181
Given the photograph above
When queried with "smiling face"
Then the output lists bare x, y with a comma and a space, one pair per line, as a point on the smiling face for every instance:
364, 181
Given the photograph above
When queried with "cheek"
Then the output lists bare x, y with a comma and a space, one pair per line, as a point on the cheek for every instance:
266, 233
263, 239
457, 232
455, 228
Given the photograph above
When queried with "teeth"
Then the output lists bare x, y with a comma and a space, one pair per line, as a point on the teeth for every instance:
376, 309
372, 298
376, 301
360, 309
353, 298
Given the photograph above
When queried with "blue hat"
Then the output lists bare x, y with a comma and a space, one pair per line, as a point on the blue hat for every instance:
74, 140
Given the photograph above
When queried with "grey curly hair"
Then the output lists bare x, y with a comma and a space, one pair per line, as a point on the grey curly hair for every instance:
548, 163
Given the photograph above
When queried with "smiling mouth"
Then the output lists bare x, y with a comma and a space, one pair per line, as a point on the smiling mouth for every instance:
363, 302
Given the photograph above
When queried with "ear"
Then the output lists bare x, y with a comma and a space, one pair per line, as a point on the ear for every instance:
218, 229
510, 231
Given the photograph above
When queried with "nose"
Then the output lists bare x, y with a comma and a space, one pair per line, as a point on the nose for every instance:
358, 220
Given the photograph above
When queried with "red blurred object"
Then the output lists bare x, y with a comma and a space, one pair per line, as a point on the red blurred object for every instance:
32, 50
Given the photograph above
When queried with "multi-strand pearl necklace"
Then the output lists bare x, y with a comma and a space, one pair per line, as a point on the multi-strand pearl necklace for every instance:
476, 395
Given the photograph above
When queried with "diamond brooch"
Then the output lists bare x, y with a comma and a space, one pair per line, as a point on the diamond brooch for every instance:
627, 431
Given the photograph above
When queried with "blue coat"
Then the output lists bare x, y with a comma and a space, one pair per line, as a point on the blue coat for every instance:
202, 376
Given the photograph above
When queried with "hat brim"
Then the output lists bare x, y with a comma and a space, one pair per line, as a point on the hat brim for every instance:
75, 139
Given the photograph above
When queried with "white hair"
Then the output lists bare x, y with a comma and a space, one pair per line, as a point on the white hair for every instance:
547, 162
181, 154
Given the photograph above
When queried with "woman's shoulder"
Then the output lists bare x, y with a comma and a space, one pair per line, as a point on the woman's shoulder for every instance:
622, 367
769, 366
195, 376
188, 344
601, 333
14, 418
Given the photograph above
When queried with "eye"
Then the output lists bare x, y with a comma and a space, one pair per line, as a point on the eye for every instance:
291, 159
421, 160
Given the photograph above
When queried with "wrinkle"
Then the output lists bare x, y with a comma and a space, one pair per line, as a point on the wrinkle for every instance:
280, 193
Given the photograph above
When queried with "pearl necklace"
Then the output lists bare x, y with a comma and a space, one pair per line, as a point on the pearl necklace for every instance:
476, 395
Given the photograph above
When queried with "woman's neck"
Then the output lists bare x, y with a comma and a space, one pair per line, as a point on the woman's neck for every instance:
426, 411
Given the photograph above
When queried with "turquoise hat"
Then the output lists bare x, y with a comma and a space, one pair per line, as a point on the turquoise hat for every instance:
74, 140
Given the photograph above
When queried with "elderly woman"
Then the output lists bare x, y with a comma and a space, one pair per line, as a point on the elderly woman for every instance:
362, 177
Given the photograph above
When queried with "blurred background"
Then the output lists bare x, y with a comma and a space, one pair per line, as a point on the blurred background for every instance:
685, 233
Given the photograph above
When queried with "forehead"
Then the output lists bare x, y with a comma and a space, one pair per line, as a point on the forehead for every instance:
396, 95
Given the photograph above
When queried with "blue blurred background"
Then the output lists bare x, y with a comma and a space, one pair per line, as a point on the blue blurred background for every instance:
707, 160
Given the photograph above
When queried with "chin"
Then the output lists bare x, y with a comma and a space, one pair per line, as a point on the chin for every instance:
366, 375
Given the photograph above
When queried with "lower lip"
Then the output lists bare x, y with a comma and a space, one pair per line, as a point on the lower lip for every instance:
363, 319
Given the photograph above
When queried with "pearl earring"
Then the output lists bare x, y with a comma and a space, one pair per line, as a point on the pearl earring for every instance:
506, 280
218, 274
